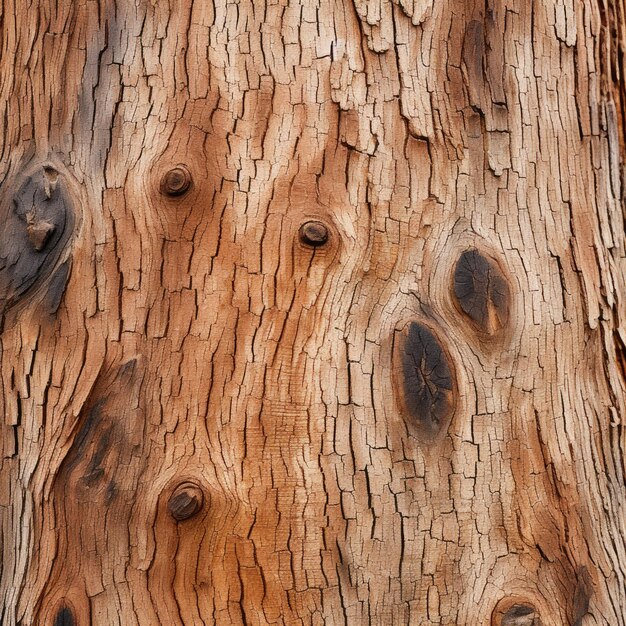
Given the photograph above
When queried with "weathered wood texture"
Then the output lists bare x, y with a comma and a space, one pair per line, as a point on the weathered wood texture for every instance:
312, 312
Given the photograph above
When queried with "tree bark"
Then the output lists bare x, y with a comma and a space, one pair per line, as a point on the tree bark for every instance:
313, 312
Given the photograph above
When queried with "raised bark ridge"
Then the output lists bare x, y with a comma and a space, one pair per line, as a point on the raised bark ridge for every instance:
218, 220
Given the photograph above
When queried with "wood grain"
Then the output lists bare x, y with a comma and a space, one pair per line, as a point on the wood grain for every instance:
413, 415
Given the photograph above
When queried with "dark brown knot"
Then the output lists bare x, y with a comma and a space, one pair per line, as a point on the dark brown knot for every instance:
185, 502
314, 233
176, 181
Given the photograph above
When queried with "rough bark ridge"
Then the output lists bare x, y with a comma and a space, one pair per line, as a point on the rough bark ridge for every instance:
313, 312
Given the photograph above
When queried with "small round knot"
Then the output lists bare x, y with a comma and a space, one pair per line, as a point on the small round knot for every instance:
314, 233
176, 181
186, 500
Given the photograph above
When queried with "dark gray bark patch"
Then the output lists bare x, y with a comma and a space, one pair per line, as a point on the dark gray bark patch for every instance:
64, 617
521, 615
35, 226
56, 288
582, 596
427, 380
481, 291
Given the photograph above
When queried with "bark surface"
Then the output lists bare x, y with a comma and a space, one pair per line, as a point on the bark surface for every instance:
312, 312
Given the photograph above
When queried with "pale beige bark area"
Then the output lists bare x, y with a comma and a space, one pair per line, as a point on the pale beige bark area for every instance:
198, 340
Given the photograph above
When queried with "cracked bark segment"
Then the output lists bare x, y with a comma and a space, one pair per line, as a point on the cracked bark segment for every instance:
35, 226
64, 617
428, 390
521, 615
481, 291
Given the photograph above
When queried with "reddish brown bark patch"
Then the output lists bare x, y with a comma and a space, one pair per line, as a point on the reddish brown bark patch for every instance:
56, 287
